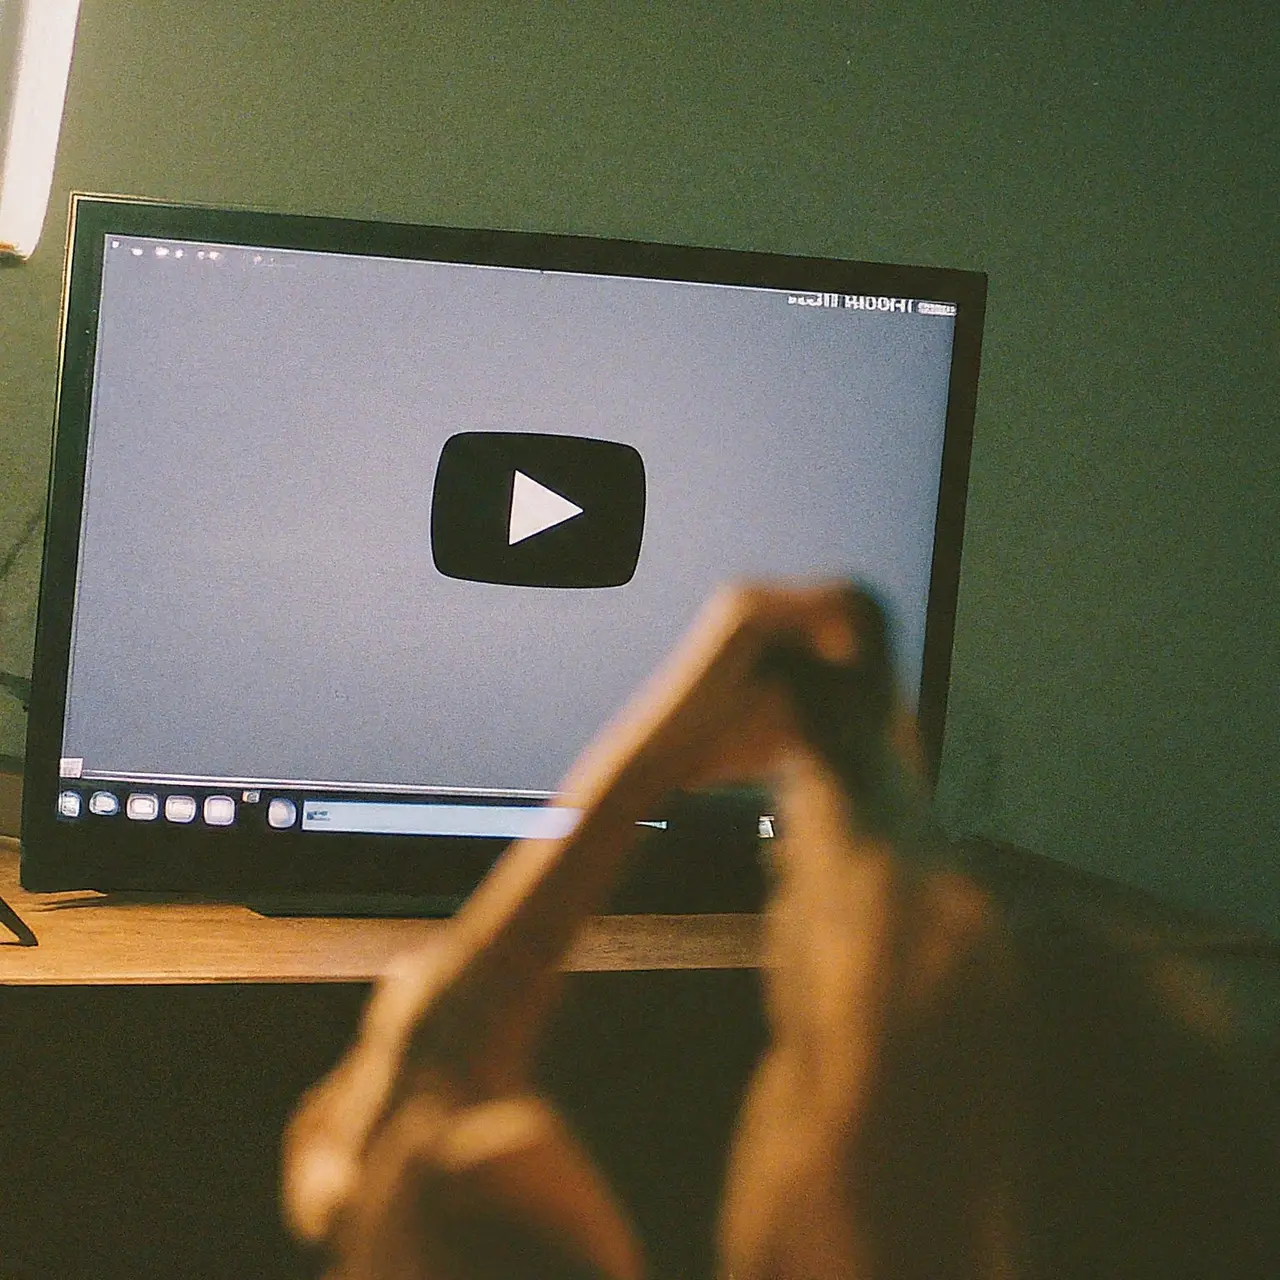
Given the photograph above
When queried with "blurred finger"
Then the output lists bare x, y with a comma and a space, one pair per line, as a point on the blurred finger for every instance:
499, 1189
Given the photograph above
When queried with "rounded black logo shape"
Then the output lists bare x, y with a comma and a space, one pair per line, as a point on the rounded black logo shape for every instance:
529, 510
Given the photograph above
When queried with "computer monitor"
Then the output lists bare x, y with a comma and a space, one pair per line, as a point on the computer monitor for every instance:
358, 532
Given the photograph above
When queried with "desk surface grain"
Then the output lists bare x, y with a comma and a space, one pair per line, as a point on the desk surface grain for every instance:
89, 938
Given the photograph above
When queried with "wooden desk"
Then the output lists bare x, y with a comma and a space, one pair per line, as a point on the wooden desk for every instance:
89, 938
152, 1050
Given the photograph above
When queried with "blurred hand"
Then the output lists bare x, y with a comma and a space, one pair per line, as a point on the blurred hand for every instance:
425, 1152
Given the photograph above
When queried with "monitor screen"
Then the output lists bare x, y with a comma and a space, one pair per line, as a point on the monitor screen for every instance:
359, 532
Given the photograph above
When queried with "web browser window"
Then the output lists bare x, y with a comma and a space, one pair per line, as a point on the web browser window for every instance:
276, 446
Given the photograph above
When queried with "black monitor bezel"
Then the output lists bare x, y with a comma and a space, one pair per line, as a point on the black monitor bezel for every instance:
111, 855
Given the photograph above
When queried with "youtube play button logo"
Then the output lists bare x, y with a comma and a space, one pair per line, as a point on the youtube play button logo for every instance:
530, 510
534, 508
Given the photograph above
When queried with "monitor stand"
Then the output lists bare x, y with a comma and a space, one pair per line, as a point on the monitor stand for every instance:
385, 904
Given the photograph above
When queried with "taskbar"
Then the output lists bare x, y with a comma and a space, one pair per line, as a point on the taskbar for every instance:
278, 809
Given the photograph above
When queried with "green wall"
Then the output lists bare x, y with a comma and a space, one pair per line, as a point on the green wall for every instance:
1111, 166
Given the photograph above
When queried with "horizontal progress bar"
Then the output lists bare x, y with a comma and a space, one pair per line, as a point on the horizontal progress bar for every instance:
509, 822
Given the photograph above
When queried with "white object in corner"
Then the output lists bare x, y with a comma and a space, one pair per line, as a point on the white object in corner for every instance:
36, 39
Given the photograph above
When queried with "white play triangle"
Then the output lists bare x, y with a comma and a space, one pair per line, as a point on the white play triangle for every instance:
534, 508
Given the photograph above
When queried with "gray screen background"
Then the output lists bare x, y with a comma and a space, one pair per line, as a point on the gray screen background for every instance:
256, 594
